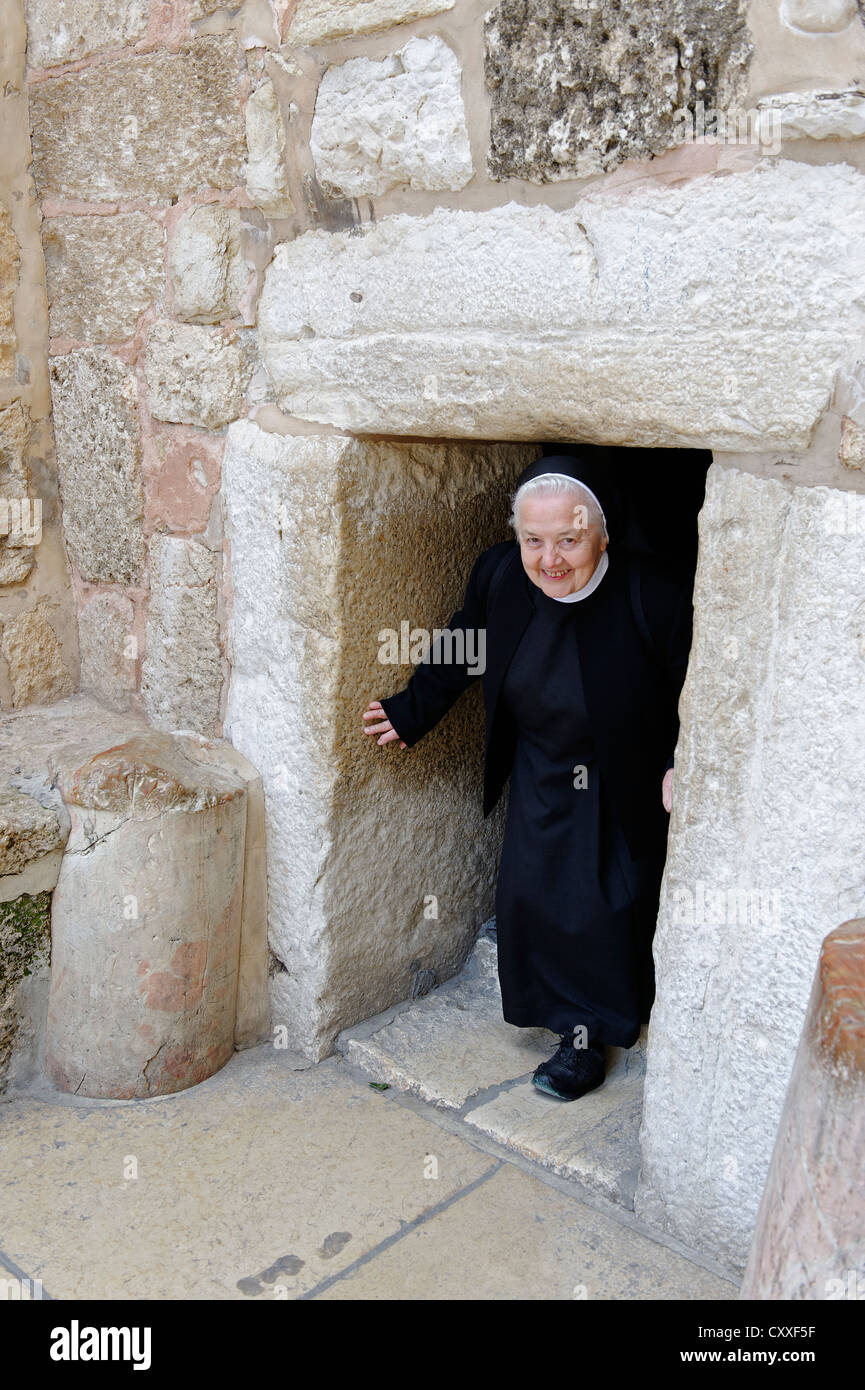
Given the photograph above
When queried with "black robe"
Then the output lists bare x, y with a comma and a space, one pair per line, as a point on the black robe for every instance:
624, 658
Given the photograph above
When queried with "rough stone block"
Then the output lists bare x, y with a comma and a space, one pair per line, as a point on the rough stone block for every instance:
181, 675
107, 661
266, 178
207, 270
9, 261
102, 272
812, 116
25, 943
31, 649
98, 454
60, 30
710, 314
581, 88
395, 121
349, 938
768, 801
27, 830
809, 1242
16, 559
318, 21
195, 376
155, 125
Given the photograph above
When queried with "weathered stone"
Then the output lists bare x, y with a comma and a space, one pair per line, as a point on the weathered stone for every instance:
102, 272
398, 120
98, 453
107, 660
195, 376
302, 514
809, 1242
9, 260
60, 30
207, 270
318, 21
266, 178
29, 645
581, 88
181, 674
146, 922
852, 448
812, 115
183, 480
712, 314
155, 125
818, 16
27, 830
25, 944
16, 560
768, 798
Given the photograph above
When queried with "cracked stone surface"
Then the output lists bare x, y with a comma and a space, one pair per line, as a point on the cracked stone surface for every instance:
27, 830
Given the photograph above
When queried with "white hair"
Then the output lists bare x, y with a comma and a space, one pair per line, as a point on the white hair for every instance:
555, 485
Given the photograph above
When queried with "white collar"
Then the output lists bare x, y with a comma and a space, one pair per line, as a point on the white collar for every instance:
600, 570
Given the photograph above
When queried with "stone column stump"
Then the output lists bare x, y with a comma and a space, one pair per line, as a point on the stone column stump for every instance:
146, 921
810, 1237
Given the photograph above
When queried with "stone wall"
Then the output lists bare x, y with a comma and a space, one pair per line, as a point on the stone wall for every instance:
324, 239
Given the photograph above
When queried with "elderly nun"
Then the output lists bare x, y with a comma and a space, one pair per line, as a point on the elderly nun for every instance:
586, 652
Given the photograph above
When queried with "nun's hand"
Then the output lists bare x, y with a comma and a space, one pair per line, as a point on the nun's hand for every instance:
667, 790
384, 727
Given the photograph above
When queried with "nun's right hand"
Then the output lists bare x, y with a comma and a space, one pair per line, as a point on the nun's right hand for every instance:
384, 727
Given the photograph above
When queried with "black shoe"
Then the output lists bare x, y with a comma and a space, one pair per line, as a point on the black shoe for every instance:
572, 1071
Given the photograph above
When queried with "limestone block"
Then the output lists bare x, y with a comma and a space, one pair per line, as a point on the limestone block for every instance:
107, 661
333, 540
154, 125
266, 178
581, 88
181, 674
195, 376
252, 1019
27, 830
60, 30
146, 922
768, 799
98, 453
207, 270
31, 649
102, 272
9, 260
396, 121
813, 115
709, 314
852, 448
818, 16
809, 1241
16, 559
25, 943
318, 21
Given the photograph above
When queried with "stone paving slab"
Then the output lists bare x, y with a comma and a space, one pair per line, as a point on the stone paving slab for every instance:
512, 1237
261, 1178
454, 1050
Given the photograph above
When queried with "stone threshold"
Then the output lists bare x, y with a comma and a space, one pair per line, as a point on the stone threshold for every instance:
452, 1050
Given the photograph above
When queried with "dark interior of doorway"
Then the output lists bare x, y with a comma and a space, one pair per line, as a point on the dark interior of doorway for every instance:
660, 493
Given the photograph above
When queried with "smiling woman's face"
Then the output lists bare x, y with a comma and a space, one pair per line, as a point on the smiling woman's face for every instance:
559, 553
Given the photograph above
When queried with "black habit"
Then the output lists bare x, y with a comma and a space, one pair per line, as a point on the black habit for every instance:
590, 685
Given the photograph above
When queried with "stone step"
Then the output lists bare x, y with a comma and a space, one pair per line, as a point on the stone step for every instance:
453, 1050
